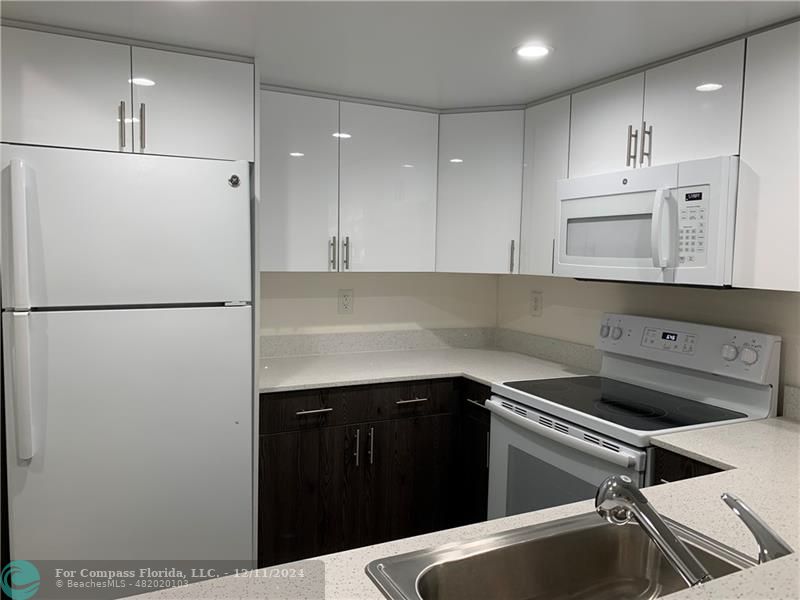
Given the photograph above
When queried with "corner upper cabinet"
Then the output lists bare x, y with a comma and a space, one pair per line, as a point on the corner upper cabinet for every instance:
299, 202
682, 122
480, 188
64, 91
767, 251
186, 105
387, 193
545, 162
604, 133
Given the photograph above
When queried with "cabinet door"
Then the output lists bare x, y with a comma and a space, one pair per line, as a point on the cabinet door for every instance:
65, 91
387, 188
687, 123
480, 189
767, 250
546, 156
308, 489
188, 105
299, 204
599, 130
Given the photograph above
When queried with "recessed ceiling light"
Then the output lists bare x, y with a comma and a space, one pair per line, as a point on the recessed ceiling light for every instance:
296, 154
342, 135
142, 81
456, 160
408, 166
708, 87
533, 50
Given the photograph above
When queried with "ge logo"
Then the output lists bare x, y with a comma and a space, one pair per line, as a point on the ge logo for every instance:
20, 580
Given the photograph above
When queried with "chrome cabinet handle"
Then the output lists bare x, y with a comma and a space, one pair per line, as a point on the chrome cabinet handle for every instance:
476, 403
487, 449
371, 452
412, 401
358, 445
633, 142
346, 253
122, 123
647, 132
318, 411
511, 264
332, 253
142, 115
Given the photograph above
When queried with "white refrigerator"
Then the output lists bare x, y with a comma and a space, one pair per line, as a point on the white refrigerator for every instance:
127, 355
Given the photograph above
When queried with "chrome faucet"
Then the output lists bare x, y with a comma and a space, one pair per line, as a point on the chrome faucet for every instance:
770, 544
619, 500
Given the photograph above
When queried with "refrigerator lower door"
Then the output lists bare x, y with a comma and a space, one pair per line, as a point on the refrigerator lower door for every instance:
143, 422
82, 228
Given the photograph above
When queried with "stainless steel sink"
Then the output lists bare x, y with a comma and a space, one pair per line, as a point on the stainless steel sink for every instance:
579, 557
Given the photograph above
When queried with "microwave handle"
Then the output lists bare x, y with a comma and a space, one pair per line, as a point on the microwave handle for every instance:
662, 256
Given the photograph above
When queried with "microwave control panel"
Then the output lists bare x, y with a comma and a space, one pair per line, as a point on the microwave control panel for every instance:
693, 224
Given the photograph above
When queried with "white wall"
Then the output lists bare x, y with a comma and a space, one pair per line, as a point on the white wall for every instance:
572, 310
308, 302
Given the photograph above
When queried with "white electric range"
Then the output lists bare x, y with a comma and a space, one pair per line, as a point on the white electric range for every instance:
553, 441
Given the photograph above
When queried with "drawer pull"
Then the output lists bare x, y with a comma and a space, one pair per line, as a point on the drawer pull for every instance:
318, 411
476, 403
413, 401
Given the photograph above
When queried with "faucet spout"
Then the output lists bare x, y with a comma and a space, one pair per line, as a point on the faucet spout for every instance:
770, 544
619, 500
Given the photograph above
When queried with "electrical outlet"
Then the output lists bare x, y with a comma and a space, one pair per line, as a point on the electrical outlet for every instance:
345, 302
536, 304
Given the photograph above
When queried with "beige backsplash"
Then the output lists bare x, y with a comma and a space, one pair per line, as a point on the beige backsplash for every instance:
306, 303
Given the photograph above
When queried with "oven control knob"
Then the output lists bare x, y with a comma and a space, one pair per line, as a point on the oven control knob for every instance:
604, 329
729, 352
748, 355
616, 333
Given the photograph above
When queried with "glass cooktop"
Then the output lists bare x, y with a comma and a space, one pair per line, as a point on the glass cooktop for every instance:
628, 405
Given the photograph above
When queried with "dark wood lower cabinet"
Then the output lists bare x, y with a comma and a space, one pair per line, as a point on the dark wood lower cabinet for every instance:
668, 466
418, 467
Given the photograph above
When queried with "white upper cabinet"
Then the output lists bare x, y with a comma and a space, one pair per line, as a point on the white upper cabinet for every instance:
767, 250
545, 162
480, 188
192, 105
683, 123
299, 203
387, 181
605, 127
64, 91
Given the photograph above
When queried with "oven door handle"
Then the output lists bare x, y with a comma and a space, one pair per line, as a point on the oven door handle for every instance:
621, 460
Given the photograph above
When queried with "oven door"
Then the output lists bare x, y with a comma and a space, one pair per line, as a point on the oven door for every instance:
536, 462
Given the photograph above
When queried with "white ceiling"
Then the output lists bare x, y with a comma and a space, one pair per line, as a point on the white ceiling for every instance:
436, 54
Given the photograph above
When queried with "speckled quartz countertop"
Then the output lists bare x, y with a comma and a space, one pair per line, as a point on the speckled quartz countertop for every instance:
486, 366
762, 459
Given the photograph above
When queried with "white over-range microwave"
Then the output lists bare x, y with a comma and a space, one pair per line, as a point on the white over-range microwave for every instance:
667, 224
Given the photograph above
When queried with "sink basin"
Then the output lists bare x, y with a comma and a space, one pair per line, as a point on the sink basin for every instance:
579, 557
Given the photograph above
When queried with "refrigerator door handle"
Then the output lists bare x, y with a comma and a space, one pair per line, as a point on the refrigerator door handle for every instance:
20, 384
20, 286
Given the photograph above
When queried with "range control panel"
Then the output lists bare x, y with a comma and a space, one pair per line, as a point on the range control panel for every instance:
735, 353
693, 224
672, 340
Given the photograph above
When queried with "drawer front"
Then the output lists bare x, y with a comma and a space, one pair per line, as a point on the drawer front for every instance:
292, 411
396, 400
472, 397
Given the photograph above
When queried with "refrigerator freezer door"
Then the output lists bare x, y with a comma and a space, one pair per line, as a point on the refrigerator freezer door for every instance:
85, 228
145, 436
